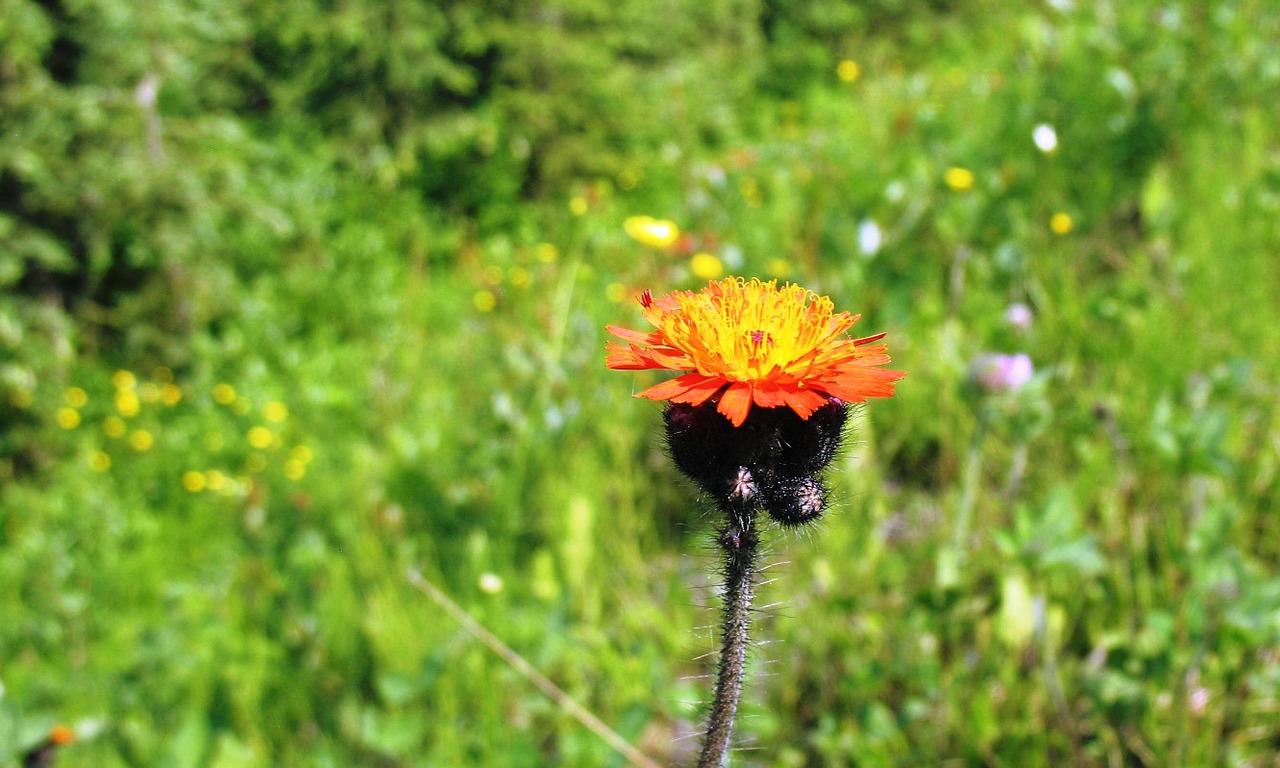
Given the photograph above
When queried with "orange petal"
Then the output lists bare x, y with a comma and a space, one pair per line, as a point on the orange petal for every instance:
768, 396
638, 337
804, 401
840, 323
735, 403
874, 355
662, 357
698, 394
692, 388
621, 358
635, 358
857, 386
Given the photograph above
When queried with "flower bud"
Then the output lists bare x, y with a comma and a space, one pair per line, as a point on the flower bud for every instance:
773, 459
793, 501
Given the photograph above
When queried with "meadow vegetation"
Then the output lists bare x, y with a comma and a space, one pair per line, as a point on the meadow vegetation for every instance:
297, 296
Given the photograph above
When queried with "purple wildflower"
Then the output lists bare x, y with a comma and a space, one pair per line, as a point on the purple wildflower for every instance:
1019, 315
1002, 373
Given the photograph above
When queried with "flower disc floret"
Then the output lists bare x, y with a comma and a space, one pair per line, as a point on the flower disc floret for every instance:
753, 343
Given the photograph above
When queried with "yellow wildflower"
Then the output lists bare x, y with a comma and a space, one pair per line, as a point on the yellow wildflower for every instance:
656, 233
170, 394
141, 440
99, 461
275, 411
261, 438
959, 179
778, 267
68, 418
706, 266
193, 481
224, 394
484, 301
127, 403
848, 70
1060, 223
546, 253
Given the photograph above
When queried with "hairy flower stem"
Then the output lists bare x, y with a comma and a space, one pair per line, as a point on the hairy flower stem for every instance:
739, 540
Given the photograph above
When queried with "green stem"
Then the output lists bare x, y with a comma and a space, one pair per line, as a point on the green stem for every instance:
968, 492
951, 556
739, 542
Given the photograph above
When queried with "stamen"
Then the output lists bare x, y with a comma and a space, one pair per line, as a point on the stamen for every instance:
646, 299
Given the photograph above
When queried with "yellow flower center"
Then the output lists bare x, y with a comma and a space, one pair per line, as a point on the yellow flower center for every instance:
752, 331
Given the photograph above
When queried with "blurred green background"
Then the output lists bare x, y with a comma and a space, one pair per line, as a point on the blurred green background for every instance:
299, 295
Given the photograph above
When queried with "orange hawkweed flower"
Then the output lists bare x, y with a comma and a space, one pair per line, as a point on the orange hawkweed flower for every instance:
753, 343
43, 752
